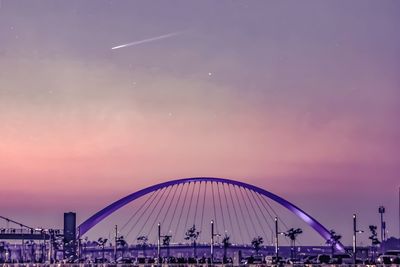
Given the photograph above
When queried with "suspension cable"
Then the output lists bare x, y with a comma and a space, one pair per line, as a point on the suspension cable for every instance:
276, 214
143, 212
170, 203
176, 206
204, 204
138, 210
197, 203
181, 211
190, 205
220, 204
262, 213
262, 200
237, 218
248, 211
215, 213
254, 211
241, 211
151, 212
229, 212
158, 214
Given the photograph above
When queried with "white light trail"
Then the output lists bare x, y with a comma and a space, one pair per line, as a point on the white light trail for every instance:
147, 40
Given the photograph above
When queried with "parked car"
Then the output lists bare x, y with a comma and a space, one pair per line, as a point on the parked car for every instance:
258, 259
342, 259
272, 260
387, 259
311, 259
323, 258
125, 260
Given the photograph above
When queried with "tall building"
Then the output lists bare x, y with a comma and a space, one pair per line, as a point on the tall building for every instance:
70, 235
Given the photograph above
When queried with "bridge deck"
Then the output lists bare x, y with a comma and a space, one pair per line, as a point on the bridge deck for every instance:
18, 236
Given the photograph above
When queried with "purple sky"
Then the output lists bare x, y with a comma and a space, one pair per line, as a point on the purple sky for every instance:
298, 97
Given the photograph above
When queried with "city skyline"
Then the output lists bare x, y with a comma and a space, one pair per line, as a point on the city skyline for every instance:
299, 98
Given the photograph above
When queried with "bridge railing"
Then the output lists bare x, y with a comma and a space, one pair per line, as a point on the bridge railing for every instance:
30, 231
34, 234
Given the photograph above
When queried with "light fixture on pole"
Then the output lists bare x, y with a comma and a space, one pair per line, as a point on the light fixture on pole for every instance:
212, 241
355, 232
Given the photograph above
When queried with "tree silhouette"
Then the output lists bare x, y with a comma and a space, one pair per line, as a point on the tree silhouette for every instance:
166, 241
227, 244
101, 242
31, 246
58, 244
2, 251
256, 243
292, 234
374, 240
122, 244
143, 243
333, 240
192, 234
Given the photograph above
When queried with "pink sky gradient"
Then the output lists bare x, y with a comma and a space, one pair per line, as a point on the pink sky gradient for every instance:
303, 103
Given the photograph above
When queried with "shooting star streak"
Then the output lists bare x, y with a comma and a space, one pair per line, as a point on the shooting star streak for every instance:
147, 40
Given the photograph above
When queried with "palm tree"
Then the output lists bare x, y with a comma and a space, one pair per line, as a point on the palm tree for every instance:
166, 240
58, 244
32, 247
143, 243
292, 234
374, 240
121, 243
227, 244
84, 244
256, 243
2, 250
101, 242
192, 234
333, 240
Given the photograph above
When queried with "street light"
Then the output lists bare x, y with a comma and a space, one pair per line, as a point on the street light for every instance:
381, 211
159, 243
355, 232
277, 233
212, 241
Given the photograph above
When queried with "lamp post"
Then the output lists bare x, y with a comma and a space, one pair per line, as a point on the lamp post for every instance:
166, 237
355, 232
115, 243
212, 241
276, 240
381, 211
277, 233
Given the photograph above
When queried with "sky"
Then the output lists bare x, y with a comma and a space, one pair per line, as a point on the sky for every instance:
298, 97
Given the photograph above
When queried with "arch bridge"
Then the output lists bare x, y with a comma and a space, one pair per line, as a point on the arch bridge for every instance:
234, 205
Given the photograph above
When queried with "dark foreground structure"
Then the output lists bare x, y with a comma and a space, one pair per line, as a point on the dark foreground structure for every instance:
244, 204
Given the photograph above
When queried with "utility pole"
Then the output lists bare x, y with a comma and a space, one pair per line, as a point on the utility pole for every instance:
381, 212
212, 241
354, 238
159, 243
355, 232
276, 240
115, 243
